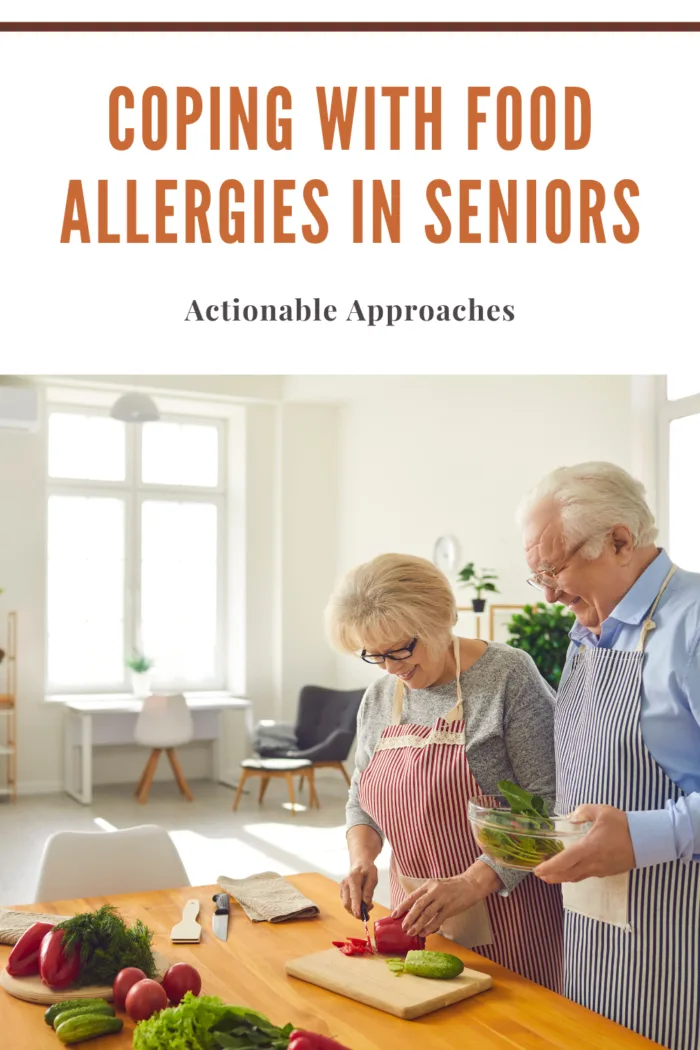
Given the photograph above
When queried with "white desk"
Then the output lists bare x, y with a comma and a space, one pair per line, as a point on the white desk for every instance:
92, 720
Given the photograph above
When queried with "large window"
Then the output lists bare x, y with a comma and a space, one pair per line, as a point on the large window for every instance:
679, 435
135, 550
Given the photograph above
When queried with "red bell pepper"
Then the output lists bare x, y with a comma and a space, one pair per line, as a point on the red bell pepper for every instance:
301, 1040
391, 939
24, 957
56, 968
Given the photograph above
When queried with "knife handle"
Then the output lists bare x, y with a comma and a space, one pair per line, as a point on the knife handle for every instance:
222, 903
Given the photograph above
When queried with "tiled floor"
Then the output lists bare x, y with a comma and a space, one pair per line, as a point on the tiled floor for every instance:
211, 839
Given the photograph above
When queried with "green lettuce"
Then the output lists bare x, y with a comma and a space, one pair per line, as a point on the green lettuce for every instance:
206, 1023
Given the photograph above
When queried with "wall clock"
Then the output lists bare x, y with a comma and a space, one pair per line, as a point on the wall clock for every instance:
446, 555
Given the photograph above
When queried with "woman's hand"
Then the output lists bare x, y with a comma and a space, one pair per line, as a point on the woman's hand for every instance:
431, 904
358, 886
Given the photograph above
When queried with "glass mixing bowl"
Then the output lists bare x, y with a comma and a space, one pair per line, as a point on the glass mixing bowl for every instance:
515, 840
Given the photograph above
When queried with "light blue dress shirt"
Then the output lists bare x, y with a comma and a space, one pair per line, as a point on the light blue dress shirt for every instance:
670, 709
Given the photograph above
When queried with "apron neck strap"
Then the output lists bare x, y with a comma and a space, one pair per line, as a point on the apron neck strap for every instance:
457, 712
649, 624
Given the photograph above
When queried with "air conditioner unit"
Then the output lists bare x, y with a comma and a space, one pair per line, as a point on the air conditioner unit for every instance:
19, 408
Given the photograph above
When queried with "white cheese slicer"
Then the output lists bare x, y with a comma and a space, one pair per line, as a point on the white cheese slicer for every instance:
187, 931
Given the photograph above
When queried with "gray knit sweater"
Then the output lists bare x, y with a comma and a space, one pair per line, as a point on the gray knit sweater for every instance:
509, 714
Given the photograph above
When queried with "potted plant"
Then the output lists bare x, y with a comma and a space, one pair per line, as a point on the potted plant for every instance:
543, 631
481, 581
140, 666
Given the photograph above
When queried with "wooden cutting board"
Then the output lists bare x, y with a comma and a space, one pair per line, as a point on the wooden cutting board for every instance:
34, 991
368, 979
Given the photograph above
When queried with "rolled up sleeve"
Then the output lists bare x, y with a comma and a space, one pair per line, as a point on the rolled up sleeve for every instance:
529, 737
354, 813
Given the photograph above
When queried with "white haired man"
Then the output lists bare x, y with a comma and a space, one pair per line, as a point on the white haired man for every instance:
627, 742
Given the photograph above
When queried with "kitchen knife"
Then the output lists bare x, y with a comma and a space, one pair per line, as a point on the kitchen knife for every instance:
219, 922
364, 915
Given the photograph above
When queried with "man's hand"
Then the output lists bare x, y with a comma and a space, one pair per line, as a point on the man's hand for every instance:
358, 886
606, 849
432, 903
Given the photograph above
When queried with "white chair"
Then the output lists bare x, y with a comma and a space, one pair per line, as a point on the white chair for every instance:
165, 723
100, 863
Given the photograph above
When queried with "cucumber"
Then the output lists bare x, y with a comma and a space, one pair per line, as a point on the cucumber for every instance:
86, 1026
87, 1008
70, 1004
438, 965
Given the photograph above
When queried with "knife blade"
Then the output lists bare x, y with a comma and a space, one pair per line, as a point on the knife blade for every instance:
219, 922
364, 915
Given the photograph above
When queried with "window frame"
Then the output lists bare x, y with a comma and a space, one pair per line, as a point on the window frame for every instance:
667, 412
133, 491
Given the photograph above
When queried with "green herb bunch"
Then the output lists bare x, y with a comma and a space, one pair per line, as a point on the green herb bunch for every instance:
106, 945
513, 846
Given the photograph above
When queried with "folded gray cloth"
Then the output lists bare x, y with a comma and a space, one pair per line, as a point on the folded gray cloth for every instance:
268, 898
14, 923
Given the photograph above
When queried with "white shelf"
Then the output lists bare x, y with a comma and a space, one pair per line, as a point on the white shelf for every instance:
5, 791
6, 750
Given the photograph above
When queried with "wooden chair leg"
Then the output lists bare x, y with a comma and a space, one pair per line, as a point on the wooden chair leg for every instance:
148, 775
179, 775
344, 771
290, 784
264, 781
241, 782
313, 795
301, 784
137, 790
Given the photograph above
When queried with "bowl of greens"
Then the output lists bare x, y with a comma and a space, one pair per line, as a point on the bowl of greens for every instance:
515, 829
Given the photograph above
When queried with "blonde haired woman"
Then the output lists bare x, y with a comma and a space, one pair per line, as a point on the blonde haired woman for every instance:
449, 719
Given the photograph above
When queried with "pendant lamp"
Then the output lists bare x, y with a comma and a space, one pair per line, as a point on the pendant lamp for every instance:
135, 407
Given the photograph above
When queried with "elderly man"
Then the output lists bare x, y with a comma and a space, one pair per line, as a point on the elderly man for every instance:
627, 739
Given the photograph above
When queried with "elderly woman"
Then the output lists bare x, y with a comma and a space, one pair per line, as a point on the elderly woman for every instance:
627, 739
448, 720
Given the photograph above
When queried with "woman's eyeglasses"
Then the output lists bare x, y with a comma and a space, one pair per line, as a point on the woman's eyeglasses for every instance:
393, 654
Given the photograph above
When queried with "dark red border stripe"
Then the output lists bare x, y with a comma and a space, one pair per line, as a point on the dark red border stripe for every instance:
350, 27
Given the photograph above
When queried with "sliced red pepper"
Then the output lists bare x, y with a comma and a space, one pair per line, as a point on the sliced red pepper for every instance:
352, 946
56, 969
24, 957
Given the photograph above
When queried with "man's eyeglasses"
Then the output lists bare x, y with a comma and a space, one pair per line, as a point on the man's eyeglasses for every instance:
394, 654
547, 581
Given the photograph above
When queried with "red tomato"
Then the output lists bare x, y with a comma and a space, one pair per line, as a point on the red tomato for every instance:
125, 980
144, 999
181, 978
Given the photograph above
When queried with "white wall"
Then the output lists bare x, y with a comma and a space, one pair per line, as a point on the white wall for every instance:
309, 441
423, 456
23, 577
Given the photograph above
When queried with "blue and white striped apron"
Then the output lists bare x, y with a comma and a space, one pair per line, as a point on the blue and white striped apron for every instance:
644, 974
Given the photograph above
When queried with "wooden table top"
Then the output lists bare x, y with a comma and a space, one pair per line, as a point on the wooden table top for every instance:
248, 970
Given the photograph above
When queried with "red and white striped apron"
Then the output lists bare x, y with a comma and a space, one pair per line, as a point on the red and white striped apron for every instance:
417, 788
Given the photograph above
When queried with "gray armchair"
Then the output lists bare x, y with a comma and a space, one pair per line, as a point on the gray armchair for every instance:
323, 732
